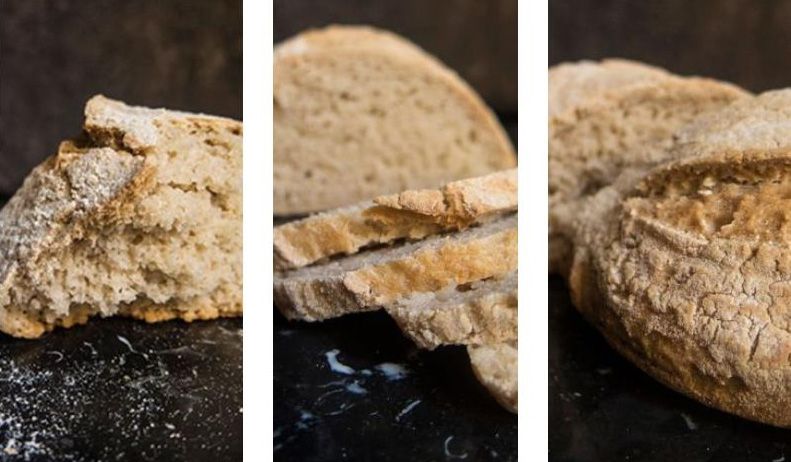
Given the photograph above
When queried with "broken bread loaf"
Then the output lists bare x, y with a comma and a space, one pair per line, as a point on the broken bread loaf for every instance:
373, 278
496, 367
607, 116
360, 112
410, 214
483, 312
685, 268
141, 217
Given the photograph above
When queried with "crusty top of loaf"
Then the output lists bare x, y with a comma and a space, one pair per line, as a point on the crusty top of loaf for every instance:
571, 84
460, 201
135, 127
762, 122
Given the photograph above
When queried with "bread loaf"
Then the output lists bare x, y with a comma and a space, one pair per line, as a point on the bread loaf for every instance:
140, 218
360, 112
685, 268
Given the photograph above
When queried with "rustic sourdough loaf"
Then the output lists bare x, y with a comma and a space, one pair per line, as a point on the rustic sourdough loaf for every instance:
496, 367
685, 268
360, 112
140, 218
410, 214
483, 312
373, 278
608, 116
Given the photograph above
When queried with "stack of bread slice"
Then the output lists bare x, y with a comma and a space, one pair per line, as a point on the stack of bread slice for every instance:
442, 262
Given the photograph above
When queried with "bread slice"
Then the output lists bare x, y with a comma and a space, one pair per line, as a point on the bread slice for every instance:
411, 214
371, 279
141, 218
620, 116
361, 112
496, 367
483, 312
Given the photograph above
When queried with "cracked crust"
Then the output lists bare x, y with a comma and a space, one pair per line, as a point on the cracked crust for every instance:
496, 367
411, 215
374, 278
95, 190
484, 312
689, 280
616, 115
361, 112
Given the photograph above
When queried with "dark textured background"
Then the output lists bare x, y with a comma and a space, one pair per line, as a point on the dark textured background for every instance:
55, 54
476, 38
747, 42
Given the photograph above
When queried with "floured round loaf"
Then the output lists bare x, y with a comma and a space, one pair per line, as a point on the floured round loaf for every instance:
496, 367
360, 112
141, 218
609, 116
686, 269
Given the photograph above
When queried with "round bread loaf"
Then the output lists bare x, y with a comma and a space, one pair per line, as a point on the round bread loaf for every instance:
686, 269
360, 112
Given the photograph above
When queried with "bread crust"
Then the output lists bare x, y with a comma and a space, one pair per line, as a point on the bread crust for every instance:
95, 180
411, 215
360, 43
624, 116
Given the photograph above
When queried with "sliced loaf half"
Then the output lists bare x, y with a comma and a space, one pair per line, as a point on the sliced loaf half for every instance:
360, 112
496, 367
141, 218
374, 278
483, 312
410, 214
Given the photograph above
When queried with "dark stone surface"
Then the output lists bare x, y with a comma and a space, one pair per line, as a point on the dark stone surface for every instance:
478, 39
602, 408
55, 54
317, 418
122, 390
747, 42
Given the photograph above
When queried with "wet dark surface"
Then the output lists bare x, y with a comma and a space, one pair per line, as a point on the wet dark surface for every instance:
601, 408
433, 410
119, 389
